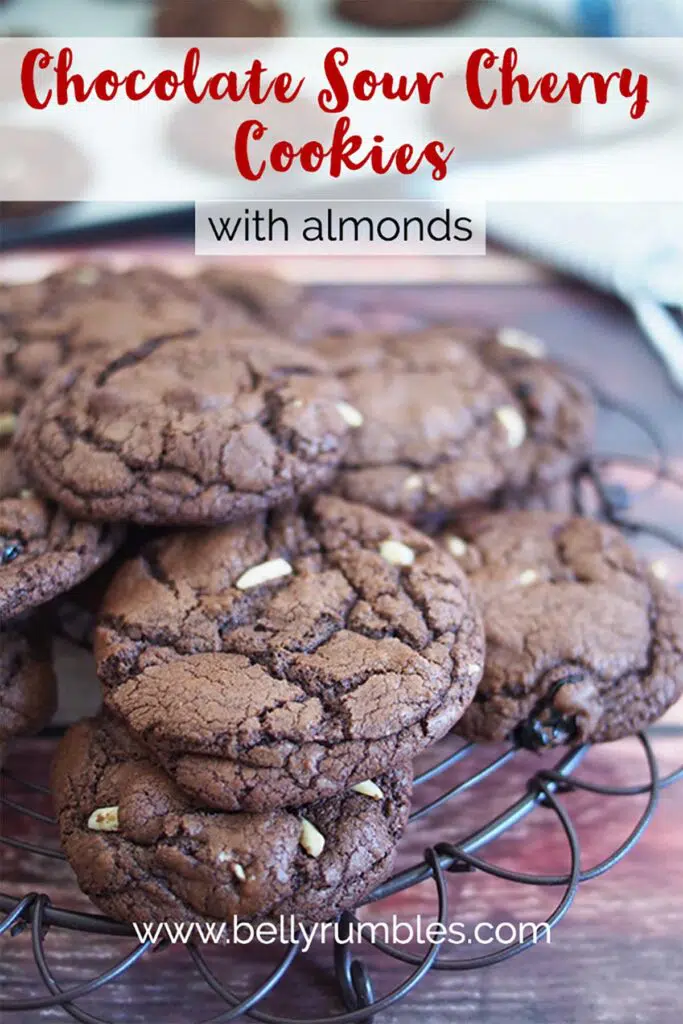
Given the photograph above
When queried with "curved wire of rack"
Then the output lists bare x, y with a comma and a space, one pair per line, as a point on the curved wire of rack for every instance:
545, 788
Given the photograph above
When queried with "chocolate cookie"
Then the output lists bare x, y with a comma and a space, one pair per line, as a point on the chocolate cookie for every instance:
89, 306
269, 298
39, 164
559, 410
439, 430
143, 851
220, 18
194, 430
583, 642
42, 552
319, 316
280, 660
28, 692
400, 13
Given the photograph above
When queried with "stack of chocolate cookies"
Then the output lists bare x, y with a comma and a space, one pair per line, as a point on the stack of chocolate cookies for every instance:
315, 586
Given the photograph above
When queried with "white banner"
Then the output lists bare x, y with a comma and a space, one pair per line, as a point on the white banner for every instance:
168, 121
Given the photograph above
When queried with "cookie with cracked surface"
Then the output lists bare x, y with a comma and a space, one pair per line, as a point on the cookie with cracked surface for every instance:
75, 613
270, 299
219, 18
274, 662
28, 690
439, 430
89, 306
320, 316
581, 638
559, 409
43, 553
185, 430
298, 312
402, 14
142, 850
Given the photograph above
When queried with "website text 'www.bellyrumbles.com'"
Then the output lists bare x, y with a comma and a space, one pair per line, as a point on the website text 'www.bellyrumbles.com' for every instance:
393, 931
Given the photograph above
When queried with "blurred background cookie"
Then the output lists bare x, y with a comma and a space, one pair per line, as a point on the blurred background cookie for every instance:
221, 18
400, 13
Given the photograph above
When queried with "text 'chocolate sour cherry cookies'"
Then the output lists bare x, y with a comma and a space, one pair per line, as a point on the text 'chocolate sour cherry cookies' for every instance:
28, 690
583, 642
276, 661
191, 430
144, 852
43, 553
439, 430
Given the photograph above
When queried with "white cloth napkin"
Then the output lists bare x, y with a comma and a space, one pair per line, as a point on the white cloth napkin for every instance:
633, 250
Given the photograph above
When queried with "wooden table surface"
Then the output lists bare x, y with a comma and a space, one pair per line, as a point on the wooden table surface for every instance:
617, 958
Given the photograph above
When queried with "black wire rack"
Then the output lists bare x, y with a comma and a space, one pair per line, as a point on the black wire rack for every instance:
594, 492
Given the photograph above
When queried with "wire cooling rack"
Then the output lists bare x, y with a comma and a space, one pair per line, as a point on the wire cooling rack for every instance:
592, 491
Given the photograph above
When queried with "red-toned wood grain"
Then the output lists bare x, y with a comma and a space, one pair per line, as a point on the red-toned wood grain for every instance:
617, 958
